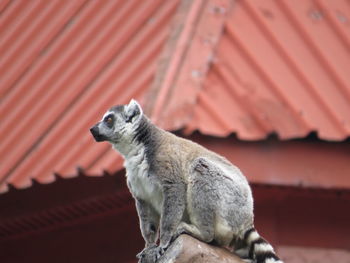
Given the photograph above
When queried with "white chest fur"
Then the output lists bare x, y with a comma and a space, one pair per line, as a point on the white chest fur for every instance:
141, 183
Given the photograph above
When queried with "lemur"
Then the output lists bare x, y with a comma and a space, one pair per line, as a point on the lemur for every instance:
181, 187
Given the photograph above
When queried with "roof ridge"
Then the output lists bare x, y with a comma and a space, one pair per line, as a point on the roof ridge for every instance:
197, 24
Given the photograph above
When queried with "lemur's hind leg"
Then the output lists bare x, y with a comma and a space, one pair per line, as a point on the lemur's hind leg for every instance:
201, 214
200, 227
197, 230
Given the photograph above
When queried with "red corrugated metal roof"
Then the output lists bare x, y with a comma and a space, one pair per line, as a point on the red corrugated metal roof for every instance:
245, 67
278, 67
63, 63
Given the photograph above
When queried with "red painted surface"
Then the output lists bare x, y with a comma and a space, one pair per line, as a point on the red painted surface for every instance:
63, 64
278, 67
246, 67
299, 163
197, 33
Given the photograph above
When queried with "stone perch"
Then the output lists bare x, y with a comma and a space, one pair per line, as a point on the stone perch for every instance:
186, 249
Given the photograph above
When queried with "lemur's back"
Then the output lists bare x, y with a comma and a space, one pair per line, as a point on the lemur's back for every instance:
182, 152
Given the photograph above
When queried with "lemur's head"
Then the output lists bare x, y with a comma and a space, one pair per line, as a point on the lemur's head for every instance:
118, 123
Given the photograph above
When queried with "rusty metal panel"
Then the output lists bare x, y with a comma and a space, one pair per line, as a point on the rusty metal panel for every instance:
279, 67
63, 63
189, 54
286, 70
246, 67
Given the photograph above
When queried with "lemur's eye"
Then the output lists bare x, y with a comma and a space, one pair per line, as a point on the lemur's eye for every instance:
109, 120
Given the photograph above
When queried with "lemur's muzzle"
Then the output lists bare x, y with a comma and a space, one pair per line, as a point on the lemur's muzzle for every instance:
95, 131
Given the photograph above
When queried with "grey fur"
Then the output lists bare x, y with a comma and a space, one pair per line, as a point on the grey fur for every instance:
181, 187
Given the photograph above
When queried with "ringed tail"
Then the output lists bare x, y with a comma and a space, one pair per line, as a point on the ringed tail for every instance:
259, 249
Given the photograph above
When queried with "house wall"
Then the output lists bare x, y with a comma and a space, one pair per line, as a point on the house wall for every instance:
97, 222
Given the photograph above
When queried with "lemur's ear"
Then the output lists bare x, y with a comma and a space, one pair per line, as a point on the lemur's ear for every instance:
132, 111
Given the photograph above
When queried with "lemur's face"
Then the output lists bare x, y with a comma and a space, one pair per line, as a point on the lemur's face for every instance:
118, 124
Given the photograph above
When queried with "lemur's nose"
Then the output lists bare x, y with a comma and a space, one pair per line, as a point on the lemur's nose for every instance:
96, 133
94, 130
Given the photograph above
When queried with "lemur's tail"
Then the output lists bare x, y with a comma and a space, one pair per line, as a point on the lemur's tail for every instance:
259, 249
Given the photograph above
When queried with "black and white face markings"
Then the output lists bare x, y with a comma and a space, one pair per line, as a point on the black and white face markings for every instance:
103, 130
118, 123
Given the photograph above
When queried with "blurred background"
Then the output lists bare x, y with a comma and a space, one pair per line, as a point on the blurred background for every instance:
264, 83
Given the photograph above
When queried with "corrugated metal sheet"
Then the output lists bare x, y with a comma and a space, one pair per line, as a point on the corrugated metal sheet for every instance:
63, 63
189, 60
247, 67
279, 67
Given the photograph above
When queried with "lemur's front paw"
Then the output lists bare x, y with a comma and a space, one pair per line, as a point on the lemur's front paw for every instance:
150, 254
145, 251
